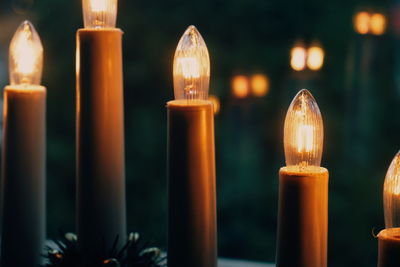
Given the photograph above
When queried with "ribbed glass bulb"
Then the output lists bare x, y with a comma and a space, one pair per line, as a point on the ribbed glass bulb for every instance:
391, 194
303, 132
100, 13
191, 67
26, 56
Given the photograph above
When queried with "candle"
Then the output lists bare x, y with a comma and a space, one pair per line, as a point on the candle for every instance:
303, 190
192, 233
23, 162
101, 211
389, 238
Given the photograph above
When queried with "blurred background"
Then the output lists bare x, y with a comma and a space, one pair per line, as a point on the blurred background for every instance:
347, 53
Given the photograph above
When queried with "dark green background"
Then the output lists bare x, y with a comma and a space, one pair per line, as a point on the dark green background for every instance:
357, 91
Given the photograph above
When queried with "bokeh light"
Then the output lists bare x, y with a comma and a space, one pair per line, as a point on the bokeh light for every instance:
362, 22
315, 57
240, 86
259, 85
216, 103
378, 24
298, 56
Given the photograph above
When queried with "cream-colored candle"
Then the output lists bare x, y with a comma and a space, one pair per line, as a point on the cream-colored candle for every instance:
101, 211
389, 238
303, 188
24, 150
192, 224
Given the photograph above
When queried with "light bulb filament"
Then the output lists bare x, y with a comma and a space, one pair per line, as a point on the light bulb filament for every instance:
305, 138
98, 5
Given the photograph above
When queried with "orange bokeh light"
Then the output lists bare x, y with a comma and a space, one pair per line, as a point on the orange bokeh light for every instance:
259, 85
378, 24
362, 22
216, 103
240, 86
298, 56
315, 57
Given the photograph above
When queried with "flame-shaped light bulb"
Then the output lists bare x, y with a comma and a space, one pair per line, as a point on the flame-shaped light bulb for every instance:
391, 194
26, 56
100, 13
303, 132
191, 67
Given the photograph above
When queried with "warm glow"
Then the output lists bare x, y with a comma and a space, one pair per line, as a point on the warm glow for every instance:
298, 58
305, 138
303, 132
315, 57
362, 22
216, 103
240, 86
100, 13
259, 85
378, 24
98, 5
26, 56
191, 67
391, 194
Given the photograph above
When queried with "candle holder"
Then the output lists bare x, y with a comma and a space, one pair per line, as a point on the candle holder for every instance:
135, 253
303, 188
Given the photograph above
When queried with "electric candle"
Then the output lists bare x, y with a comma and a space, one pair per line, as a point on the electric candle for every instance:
389, 238
303, 190
101, 211
23, 162
192, 233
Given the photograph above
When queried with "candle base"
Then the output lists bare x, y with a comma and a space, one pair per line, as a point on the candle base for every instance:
303, 217
389, 248
192, 227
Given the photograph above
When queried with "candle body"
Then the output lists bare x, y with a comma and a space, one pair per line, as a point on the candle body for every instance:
23, 176
192, 227
302, 218
389, 248
101, 216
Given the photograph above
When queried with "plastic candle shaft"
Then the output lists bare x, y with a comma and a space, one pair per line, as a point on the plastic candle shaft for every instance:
101, 210
23, 161
303, 188
192, 232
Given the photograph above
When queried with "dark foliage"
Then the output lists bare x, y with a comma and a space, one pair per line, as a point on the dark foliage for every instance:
135, 253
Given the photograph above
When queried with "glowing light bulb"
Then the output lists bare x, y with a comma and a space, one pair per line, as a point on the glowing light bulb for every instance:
26, 56
315, 57
240, 86
378, 24
216, 103
191, 67
391, 194
303, 132
298, 57
362, 22
259, 85
99, 13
